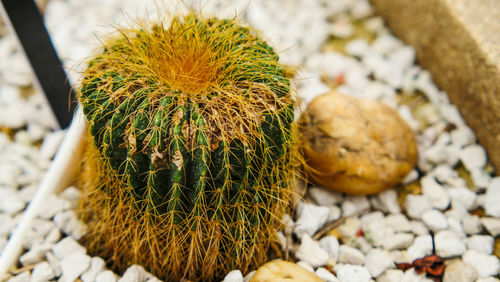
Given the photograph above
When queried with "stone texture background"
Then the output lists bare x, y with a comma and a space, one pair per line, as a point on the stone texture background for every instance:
458, 41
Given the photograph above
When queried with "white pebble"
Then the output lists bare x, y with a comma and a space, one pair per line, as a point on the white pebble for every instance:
311, 252
341, 29
106, 276
492, 200
455, 226
97, 265
435, 192
398, 222
473, 156
72, 266
334, 213
42, 272
138, 273
326, 275
435, 220
410, 177
472, 224
350, 255
35, 254
485, 265
324, 197
21, 277
481, 244
354, 204
377, 261
480, 178
310, 218
422, 246
462, 196
463, 136
412, 276
357, 47
70, 224
487, 279
416, 205
352, 273
391, 275
350, 227
457, 271
66, 247
54, 263
398, 241
448, 244
387, 201
51, 143
492, 225
232, 276
331, 245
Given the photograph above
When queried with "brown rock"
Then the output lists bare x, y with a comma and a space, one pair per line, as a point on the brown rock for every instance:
283, 271
356, 146
458, 41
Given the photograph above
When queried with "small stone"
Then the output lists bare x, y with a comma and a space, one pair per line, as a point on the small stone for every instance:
350, 227
311, 252
492, 225
325, 197
334, 213
492, 199
21, 277
54, 204
97, 265
352, 273
326, 275
66, 247
485, 265
279, 270
69, 224
53, 236
10, 202
387, 201
51, 143
458, 271
331, 245
463, 136
341, 29
455, 226
377, 261
354, 204
138, 273
472, 224
488, 279
435, 192
72, 195
435, 220
416, 205
350, 255
412, 276
72, 266
448, 244
310, 218
42, 272
398, 222
481, 244
106, 276
422, 246
357, 47
462, 196
398, 241
480, 178
54, 263
35, 254
391, 275
305, 265
232, 276
473, 156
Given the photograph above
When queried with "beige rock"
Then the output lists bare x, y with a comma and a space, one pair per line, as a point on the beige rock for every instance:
356, 146
283, 271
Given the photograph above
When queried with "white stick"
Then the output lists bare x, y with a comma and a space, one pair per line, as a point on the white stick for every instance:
60, 174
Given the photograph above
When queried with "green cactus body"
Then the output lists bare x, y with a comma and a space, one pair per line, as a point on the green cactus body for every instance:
192, 131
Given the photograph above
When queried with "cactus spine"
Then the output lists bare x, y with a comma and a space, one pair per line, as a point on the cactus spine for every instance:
191, 153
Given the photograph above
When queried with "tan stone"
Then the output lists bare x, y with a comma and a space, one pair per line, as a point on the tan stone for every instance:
283, 271
458, 41
356, 146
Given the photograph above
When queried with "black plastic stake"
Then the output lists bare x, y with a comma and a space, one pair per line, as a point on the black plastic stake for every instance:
26, 21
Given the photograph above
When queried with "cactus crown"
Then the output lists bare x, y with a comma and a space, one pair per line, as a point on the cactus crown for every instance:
193, 147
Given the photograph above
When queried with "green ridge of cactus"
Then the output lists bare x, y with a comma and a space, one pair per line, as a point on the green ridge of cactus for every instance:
192, 150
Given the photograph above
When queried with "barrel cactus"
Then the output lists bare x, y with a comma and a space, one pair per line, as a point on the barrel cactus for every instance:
192, 149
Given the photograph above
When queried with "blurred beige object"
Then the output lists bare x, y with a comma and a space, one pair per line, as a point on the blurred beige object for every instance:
283, 271
356, 146
458, 41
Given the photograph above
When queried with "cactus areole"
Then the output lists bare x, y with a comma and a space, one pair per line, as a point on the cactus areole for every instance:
191, 153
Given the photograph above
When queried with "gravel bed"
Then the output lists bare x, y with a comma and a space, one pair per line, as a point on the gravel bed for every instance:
335, 43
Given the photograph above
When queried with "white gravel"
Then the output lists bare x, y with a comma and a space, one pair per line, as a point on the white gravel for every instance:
373, 232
